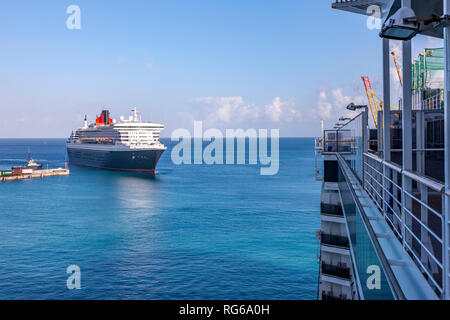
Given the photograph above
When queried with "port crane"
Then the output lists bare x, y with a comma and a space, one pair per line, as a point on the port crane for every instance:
375, 104
399, 73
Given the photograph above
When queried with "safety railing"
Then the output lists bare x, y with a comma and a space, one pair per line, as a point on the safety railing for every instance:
337, 141
330, 295
331, 209
334, 240
340, 270
433, 103
413, 205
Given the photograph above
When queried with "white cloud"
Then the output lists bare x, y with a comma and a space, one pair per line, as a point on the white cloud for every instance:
224, 109
234, 109
332, 103
280, 110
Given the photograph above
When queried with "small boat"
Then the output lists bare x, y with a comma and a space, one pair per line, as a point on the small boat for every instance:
31, 164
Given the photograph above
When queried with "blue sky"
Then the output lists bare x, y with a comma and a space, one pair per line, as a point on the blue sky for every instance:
234, 64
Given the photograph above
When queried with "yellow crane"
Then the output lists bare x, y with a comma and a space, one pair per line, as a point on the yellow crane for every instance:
375, 104
372, 97
399, 73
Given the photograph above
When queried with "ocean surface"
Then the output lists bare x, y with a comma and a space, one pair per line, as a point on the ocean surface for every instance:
190, 232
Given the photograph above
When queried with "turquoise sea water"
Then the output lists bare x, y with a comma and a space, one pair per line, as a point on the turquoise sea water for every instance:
190, 232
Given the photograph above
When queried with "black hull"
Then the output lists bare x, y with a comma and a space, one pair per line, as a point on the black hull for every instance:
133, 160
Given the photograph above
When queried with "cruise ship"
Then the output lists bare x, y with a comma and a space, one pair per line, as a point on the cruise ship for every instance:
126, 145
385, 200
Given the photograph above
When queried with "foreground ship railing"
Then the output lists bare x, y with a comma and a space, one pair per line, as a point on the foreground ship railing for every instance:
414, 213
412, 204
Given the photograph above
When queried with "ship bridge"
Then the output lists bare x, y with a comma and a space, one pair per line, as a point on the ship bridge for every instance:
386, 191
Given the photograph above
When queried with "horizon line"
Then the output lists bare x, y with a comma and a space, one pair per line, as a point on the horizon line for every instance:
2, 138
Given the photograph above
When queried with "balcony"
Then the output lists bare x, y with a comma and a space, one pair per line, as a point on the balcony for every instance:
331, 209
330, 295
333, 240
337, 141
341, 270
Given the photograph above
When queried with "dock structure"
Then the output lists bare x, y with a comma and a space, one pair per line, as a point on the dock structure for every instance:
36, 174
385, 198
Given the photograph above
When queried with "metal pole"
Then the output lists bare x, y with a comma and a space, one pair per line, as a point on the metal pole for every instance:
445, 237
420, 141
407, 107
365, 142
380, 134
406, 133
365, 128
386, 103
385, 126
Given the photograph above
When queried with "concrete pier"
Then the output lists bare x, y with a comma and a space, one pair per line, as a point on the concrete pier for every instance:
36, 174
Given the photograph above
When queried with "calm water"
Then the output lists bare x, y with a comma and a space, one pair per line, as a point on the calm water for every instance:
190, 232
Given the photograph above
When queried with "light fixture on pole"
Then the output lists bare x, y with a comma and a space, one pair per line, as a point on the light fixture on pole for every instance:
402, 25
353, 107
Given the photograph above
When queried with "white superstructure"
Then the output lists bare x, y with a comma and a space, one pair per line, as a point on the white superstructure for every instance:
110, 134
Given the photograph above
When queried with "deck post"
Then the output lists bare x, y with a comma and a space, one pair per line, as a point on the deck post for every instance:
445, 236
406, 136
365, 128
385, 125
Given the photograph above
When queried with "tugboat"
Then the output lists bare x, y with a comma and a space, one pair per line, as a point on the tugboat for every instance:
31, 164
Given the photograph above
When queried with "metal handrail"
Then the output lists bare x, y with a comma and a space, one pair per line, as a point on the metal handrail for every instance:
374, 157
384, 189
375, 201
430, 276
394, 183
373, 170
437, 214
436, 186
408, 229
423, 225
393, 212
393, 166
